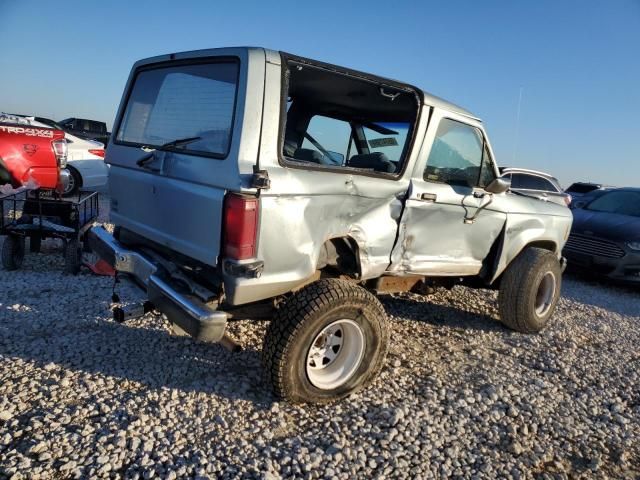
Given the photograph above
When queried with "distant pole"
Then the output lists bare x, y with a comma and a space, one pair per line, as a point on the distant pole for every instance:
515, 143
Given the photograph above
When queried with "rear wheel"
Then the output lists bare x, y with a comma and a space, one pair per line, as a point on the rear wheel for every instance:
12, 252
530, 290
326, 341
75, 182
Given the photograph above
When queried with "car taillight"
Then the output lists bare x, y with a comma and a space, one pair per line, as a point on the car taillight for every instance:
240, 226
98, 152
60, 151
567, 200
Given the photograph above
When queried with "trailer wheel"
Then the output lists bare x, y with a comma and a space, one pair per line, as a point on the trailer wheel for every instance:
72, 257
35, 243
12, 252
326, 341
529, 290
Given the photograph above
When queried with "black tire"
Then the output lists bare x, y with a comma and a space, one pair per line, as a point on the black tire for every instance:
75, 182
72, 257
12, 252
35, 243
302, 318
522, 306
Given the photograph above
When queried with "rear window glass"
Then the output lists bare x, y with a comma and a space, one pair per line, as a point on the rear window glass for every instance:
182, 101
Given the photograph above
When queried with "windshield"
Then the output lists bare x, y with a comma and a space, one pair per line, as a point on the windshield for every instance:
182, 101
623, 203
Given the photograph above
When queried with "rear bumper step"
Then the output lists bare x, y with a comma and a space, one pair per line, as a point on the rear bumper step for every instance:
186, 311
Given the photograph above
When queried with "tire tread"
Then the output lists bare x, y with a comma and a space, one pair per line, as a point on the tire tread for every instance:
291, 317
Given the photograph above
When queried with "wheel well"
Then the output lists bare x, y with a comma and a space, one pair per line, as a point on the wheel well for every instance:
545, 244
73, 170
341, 254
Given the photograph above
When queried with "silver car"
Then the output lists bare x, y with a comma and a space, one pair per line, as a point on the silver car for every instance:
249, 183
536, 184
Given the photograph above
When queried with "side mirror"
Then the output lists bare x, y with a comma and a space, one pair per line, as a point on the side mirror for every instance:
499, 185
333, 158
578, 204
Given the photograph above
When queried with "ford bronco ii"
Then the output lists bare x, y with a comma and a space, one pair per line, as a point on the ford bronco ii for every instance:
246, 180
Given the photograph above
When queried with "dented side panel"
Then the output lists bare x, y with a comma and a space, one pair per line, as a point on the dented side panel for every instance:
296, 224
435, 239
304, 208
531, 221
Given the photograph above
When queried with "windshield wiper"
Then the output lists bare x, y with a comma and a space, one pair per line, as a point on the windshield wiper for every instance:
173, 143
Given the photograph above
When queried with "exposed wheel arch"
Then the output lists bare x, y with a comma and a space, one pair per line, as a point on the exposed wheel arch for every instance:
493, 266
341, 254
544, 244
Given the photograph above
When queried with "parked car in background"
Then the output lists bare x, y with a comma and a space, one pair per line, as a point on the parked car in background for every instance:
578, 189
536, 184
31, 154
85, 160
87, 129
605, 237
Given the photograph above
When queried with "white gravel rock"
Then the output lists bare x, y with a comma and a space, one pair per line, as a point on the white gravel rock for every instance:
461, 396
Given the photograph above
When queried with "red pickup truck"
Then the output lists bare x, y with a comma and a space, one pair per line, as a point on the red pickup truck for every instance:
31, 155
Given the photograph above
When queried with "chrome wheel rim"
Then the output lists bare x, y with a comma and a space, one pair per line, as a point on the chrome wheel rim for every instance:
335, 354
545, 294
70, 185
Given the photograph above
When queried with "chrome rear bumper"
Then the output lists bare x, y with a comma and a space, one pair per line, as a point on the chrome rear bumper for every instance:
186, 311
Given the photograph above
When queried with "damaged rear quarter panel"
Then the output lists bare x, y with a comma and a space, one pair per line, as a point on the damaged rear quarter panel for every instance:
303, 210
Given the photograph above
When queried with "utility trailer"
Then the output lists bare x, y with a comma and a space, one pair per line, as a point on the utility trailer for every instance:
39, 214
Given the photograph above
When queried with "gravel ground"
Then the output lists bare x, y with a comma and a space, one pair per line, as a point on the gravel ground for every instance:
460, 396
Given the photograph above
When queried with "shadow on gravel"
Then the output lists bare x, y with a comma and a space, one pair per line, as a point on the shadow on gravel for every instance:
440, 315
129, 353
601, 292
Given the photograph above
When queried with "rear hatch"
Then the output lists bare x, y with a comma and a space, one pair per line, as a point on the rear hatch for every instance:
176, 147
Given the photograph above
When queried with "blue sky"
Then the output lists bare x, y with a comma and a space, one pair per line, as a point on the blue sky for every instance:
577, 62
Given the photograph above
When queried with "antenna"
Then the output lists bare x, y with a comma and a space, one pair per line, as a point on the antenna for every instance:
515, 143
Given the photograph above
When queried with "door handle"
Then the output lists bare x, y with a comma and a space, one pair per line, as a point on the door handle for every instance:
428, 197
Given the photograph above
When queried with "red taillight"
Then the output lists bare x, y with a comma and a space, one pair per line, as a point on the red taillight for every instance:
60, 151
98, 152
240, 226
568, 200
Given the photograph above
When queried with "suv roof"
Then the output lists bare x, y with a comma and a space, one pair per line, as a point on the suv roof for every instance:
274, 56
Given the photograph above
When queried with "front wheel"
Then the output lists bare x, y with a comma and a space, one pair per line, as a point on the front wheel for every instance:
327, 341
530, 290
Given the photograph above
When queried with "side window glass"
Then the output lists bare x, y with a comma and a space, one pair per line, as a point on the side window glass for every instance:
456, 154
326, 141
518, 181
547, 186
532, 182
